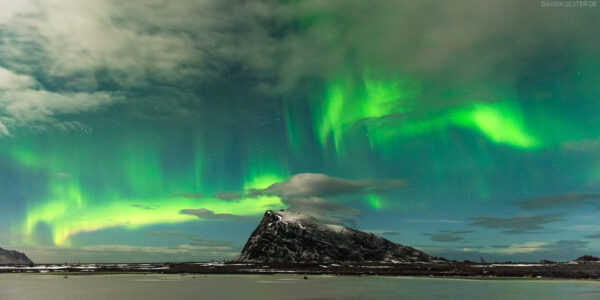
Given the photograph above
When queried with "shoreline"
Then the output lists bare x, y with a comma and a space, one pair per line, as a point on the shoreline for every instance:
590, 271
474, 278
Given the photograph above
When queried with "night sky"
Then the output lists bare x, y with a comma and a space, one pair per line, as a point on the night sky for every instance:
151, 130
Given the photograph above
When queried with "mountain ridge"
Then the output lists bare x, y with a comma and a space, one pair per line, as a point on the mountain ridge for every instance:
284, 236
12, 257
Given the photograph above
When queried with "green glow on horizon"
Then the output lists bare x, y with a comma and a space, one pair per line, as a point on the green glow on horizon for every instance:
67, 218
130, 189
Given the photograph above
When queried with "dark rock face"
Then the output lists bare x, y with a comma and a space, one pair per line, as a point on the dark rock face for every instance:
587, 258
10, 257
284, 236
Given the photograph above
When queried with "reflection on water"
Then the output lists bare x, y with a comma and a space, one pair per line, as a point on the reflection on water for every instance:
156, 286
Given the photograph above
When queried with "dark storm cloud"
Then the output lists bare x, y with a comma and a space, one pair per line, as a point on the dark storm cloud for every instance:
518, 224
204, 213
321, 185
448, 235
565, 200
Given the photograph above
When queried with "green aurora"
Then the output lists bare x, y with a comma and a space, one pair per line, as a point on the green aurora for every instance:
184, 145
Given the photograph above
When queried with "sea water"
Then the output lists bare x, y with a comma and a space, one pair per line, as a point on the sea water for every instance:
194, 286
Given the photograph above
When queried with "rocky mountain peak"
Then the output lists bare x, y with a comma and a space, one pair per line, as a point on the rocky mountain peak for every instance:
11, 257
285, 236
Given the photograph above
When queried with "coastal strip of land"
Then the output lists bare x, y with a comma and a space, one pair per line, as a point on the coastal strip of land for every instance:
573, 270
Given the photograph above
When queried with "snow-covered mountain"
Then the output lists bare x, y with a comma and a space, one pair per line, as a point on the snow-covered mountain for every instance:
284, 236
11, 257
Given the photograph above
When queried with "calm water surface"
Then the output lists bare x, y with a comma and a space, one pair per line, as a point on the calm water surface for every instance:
134, 286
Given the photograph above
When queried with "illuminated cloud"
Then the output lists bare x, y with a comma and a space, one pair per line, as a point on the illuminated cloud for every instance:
311, 192
24, 103
321, 185
523, 248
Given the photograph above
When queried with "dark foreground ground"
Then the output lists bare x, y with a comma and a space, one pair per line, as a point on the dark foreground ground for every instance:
580, 270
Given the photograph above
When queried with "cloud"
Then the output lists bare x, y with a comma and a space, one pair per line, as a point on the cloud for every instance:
533, 251
195, 239
316, 39
204, 213
321, 185
24, 103
11, 81
322, 209
564, 200
518, 224
558, 246
586, 145
62, 57
522, 248
151, 249
189, 195
593, 236
448, 235
3, 130
310, 193
87, 50
432, 221
130, 42
147, 207
227, 196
